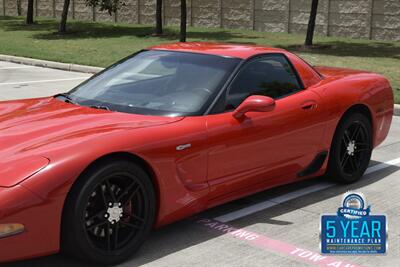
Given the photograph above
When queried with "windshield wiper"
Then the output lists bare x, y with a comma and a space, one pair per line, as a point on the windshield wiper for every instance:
100, 107
68, 99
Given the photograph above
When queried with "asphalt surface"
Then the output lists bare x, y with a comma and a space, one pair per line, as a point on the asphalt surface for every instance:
287, 218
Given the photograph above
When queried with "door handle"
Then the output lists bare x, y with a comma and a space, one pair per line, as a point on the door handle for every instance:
309, 105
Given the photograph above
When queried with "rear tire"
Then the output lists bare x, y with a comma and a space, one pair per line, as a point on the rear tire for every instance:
351, 149
108, 213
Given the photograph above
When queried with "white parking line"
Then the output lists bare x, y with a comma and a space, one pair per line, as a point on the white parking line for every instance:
12, 68
292, 195
271, 202
45, 81
382, 165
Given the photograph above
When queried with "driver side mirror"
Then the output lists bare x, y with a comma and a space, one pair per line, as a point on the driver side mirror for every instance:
254, 103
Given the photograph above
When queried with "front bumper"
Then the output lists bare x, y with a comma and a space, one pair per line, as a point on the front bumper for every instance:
41, 233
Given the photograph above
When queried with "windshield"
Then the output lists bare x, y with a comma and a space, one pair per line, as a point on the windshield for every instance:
157, 83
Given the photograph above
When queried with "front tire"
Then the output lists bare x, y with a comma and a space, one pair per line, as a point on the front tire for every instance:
351, 149
108, 213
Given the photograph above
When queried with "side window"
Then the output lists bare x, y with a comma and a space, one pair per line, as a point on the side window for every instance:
271, 76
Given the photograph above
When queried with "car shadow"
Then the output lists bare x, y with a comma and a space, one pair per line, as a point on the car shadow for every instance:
46, 29
187, 233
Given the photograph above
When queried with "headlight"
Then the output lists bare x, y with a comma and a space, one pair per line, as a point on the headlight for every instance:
10, 229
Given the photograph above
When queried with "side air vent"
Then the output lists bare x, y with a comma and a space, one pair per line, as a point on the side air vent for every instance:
315, 165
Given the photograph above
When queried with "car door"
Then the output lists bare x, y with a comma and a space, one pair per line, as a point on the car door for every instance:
265, 148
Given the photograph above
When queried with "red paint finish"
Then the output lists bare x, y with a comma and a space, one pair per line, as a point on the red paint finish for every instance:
227, 50
273, 144
27, 166
45, 144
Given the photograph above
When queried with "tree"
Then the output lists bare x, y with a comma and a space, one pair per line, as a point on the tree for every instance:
29, 14
111, 6
159, 24
64, 16
311, 23
183, 21
19, 12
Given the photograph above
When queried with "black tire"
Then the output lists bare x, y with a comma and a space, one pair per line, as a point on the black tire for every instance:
94, 230
351, 149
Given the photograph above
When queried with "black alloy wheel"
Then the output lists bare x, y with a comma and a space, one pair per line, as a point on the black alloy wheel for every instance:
109, 213
114, 212
354, 148
351, 149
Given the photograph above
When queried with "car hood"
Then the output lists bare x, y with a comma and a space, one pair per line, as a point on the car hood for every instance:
29, 126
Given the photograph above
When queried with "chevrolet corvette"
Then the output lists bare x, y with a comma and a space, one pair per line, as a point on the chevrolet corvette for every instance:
171, 131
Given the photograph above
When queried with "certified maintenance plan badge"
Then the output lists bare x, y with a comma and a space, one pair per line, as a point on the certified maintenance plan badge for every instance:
353, 230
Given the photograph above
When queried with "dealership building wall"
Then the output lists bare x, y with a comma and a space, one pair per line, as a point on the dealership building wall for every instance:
369, 19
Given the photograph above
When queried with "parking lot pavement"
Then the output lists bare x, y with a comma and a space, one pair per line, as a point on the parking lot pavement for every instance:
286, 218
21, 81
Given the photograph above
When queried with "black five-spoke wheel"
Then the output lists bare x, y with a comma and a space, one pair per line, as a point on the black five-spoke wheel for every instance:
109, 212
355, 147
351, 148
115, 212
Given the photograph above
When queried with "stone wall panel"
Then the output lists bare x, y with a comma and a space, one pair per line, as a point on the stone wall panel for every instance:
213, 4
271, 16
302, 18
305, 5
302, 28
103, 16
202, 22
386, 7
10, 7
172, 3
348, 18
349, 6
236, 14
237, 4
386, 34
280, 5
128, 13
205, 16
82, 11
352, 32
386, 22
24, 7
44, 8
236, 24
270, 26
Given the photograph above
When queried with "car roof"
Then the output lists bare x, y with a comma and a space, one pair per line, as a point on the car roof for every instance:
242, 51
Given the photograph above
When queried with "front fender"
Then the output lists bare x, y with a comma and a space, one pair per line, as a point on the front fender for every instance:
13, 172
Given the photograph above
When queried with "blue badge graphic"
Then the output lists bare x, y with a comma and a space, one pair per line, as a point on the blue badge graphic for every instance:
353, 230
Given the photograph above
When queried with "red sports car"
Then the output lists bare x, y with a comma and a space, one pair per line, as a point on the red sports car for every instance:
170, 131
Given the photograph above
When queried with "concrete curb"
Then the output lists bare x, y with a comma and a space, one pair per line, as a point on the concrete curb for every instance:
50, 64
82, 68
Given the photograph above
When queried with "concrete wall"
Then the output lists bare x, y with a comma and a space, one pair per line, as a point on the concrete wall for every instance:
369, 19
